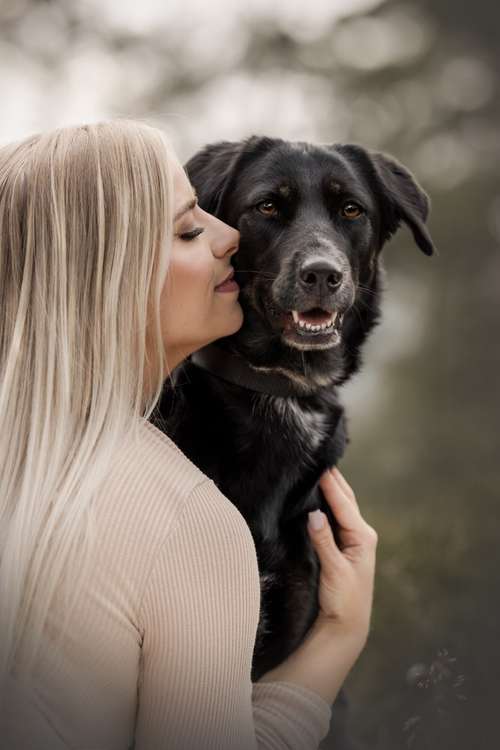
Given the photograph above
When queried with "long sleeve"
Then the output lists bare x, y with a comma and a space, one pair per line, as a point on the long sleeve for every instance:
289, 716
198, 618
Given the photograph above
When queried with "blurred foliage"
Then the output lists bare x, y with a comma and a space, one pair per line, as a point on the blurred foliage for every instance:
419, 80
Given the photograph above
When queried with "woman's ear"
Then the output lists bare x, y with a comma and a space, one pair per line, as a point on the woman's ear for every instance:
398, 193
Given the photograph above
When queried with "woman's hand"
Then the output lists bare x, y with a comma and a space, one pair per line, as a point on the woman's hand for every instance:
347, 571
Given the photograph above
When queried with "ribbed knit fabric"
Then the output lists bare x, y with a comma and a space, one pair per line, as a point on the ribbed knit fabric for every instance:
159, 650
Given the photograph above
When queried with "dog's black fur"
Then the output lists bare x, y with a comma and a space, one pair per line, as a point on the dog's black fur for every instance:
264, 452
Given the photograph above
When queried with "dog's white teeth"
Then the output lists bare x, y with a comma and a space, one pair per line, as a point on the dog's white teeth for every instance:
304, 325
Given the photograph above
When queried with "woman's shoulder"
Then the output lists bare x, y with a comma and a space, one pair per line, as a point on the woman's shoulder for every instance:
148, 484
183, 479
155, 461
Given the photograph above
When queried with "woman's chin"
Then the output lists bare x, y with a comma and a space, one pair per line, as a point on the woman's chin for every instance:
239, 320
232, 323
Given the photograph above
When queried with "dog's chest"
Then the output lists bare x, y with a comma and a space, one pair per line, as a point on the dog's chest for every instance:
307, 426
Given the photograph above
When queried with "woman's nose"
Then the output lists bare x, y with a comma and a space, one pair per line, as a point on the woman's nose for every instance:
226, 243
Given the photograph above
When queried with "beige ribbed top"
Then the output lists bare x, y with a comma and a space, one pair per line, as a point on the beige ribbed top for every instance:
159, 649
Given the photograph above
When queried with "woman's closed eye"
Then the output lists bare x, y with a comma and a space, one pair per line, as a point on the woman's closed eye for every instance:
192, 234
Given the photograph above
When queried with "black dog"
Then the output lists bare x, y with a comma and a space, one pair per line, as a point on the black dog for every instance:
313, 220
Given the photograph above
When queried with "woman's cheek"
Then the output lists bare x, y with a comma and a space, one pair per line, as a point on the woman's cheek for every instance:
197, 271
205, 277
185, 279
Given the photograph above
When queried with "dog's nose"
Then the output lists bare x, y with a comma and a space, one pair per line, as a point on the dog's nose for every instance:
321, 274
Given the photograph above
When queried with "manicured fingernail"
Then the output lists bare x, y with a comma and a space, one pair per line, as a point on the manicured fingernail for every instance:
316, 519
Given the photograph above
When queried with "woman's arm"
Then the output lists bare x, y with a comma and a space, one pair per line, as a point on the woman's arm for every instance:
321, 663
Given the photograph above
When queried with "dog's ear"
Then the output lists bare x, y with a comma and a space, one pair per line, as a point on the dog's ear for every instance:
213, 170
400, 196
209, 169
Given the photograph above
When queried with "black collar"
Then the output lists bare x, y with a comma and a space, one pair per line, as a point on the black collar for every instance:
236, 370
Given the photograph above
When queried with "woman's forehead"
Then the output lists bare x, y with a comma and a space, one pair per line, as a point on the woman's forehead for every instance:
184, 192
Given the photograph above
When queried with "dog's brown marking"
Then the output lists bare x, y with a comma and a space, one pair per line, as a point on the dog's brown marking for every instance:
335, 186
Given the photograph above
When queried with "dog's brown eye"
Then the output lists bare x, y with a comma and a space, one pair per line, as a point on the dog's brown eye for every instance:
351, 211
268, 208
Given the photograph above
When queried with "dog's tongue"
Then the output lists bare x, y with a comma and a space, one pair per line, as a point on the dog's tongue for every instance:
316, 316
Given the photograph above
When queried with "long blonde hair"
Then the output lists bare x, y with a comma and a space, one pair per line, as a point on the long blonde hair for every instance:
85, 230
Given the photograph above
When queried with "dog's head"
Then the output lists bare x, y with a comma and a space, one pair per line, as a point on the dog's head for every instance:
313, 220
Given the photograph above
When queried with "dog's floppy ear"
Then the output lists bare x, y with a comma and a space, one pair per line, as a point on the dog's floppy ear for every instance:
213, 170
400, 196
209, 169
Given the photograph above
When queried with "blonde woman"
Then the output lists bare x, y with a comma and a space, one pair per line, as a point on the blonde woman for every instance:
129, 588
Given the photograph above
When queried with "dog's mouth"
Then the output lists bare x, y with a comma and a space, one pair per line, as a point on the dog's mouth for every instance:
315, 326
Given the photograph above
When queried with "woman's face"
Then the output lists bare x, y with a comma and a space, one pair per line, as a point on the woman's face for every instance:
195, 309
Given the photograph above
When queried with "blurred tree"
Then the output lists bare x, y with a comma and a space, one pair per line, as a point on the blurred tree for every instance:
420, 80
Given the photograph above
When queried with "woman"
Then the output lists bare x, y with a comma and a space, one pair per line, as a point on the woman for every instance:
129, 589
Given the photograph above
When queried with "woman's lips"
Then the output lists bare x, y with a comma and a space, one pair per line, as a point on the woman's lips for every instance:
229, 284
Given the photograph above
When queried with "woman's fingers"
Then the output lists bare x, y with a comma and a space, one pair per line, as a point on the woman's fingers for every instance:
344, 485
345, 511
330, 556
354, 533
345, 590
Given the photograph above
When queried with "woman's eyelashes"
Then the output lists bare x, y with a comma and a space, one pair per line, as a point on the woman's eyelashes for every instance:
192, 234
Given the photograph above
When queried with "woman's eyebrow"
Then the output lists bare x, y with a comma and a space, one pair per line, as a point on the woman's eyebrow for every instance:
187, 207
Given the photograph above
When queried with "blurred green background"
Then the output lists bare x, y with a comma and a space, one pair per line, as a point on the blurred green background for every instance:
419, 80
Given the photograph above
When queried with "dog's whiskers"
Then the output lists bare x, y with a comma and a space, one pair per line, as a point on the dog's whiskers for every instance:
367, 306
367, 290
